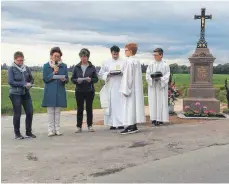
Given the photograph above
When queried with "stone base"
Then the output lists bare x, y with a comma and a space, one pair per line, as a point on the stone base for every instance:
211, 103
182, 116
201, 92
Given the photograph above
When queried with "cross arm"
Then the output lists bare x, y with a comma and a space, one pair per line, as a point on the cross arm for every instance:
197, 17
208, 16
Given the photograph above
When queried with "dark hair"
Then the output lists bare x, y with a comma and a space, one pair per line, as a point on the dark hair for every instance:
55, 49
115, 49
159, 50
133, 47
18, 54
84, 52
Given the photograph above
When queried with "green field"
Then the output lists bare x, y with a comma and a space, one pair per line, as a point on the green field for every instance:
182, 82
37, 95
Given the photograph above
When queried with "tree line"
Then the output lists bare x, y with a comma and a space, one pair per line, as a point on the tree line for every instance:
174, 68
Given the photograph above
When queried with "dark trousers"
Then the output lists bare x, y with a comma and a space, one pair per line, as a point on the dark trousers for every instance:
80, 98
26, 102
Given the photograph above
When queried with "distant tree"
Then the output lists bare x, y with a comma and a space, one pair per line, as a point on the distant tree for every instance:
221, 69
174, 68
184, 69
4, 66
70, 69
36, 68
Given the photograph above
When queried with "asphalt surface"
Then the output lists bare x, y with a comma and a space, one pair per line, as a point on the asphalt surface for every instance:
150, 155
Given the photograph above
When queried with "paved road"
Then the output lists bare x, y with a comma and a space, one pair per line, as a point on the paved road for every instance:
206, 165
87, 156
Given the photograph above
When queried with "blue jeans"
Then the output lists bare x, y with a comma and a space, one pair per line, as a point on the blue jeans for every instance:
25, 101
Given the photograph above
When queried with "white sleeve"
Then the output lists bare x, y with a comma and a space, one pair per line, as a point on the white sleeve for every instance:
148, 77
127, 79
149, 80
103, 73
165, 78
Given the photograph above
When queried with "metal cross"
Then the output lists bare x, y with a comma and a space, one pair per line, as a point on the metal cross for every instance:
202, 43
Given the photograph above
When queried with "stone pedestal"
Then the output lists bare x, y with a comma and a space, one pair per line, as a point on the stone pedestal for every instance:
201, 88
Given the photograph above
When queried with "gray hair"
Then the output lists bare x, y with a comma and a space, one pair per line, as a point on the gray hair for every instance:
84, 52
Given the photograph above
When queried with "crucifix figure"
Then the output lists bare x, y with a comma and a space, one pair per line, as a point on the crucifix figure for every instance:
202, 43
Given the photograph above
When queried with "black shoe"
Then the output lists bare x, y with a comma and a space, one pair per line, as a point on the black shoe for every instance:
30, 135
130, 130
157, 123
154, 122
112, 128
121, 127
19, 136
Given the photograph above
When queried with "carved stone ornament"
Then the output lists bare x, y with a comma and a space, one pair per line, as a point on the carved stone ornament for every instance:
202, 54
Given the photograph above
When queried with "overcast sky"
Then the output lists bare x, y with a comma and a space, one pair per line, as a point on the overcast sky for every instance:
35, 27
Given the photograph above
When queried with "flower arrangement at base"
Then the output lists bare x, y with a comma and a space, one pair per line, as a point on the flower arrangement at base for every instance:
197, 110
173, 92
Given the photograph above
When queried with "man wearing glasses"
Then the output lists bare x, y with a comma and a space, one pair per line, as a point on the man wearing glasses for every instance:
131, 89
157, 77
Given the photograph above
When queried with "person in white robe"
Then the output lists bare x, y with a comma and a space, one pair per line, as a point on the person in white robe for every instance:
158, 89
131, 89
110, 91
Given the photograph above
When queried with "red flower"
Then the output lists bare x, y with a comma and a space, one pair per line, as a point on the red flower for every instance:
211, 111
197, 103
205, 112
187, 107
169, 93
196, 111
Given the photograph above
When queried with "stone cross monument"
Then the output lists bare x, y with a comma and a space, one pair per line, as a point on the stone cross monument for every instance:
201, 88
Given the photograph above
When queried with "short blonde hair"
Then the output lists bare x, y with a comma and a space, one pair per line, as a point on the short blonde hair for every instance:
133, 47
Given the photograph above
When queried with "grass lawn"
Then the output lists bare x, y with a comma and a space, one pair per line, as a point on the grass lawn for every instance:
181, 80
37, 94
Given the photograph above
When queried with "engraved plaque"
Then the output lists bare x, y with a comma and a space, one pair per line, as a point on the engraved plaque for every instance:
202, 73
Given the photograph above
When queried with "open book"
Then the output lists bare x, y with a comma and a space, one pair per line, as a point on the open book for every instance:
58, 76
83, 79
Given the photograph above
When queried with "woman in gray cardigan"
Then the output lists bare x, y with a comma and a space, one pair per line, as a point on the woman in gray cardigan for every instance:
21, 80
